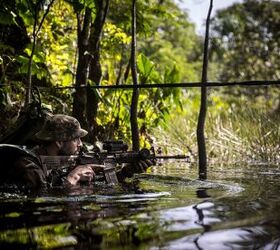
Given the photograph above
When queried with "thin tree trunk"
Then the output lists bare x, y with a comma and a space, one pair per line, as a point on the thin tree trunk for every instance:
95, 73
135, 94
29, 70
127, 70
202, 154
119, 76
80, 95
34, 37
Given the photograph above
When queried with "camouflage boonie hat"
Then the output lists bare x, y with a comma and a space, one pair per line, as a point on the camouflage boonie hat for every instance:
61, 128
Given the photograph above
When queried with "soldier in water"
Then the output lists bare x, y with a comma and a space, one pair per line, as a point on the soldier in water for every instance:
60, 136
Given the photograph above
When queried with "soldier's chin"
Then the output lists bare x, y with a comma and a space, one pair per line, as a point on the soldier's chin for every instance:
67, 153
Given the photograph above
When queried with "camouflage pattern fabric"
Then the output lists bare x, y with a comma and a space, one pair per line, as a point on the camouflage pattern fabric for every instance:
21, 168
61, 128
29, 174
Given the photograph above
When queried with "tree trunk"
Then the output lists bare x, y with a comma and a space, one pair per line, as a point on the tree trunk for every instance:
34, 43
95, 73
135, 94
80, 97
202, 154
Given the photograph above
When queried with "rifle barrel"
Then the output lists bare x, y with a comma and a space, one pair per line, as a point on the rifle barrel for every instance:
172, 157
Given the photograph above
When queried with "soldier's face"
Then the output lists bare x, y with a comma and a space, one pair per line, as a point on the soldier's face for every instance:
71, 147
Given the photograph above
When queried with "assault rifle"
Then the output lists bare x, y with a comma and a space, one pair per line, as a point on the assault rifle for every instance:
114, 153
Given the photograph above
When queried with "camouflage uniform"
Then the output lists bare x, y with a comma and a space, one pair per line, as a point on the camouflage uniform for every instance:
27, 170
20, 167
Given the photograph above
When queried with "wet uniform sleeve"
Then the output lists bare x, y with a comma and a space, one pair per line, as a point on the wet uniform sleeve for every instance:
29, 174
129, 169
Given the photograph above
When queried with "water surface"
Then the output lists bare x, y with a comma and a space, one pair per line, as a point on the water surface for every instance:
237, 208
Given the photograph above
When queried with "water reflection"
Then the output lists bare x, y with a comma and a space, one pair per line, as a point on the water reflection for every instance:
236, 211
202, 193
239, 238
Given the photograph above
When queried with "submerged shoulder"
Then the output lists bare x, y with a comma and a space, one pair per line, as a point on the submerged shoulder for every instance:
20, 166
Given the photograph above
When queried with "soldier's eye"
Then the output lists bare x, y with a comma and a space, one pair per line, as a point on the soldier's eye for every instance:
76, 140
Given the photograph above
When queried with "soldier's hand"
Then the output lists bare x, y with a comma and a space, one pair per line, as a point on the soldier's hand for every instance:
142, 165
138, 167
81, 174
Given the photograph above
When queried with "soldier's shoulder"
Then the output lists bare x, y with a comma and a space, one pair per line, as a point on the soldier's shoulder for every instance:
21, 170
9, 153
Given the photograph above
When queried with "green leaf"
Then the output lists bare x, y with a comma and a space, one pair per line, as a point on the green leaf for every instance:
145, 66
7, 18
23, 59
172, 76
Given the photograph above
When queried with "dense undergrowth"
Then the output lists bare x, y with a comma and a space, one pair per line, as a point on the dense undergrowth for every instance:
249, 132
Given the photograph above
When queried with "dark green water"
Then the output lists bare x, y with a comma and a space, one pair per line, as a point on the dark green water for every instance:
237, 208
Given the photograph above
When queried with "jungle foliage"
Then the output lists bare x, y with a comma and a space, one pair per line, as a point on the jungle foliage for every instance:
246, 44
88, 42
70, 39
242, 122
